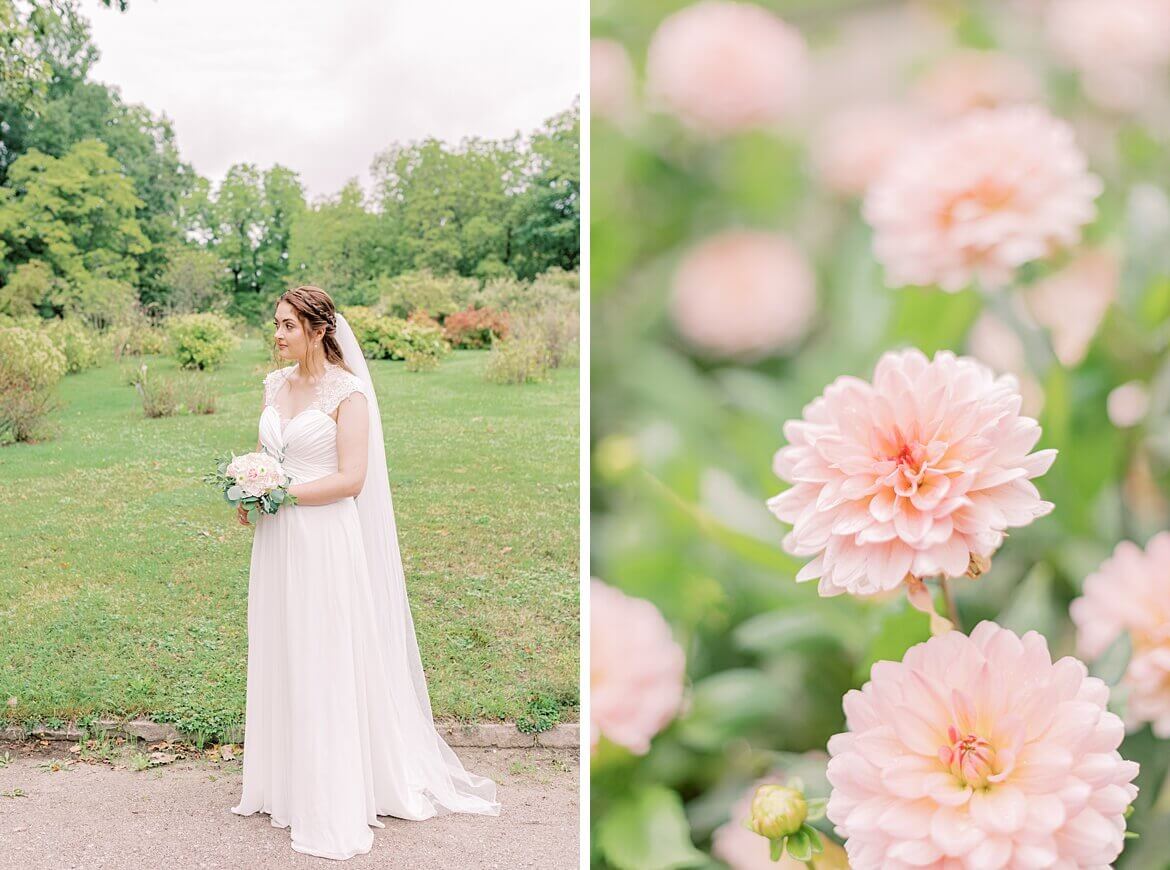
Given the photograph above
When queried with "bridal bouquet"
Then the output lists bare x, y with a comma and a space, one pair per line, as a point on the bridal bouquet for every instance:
254, 480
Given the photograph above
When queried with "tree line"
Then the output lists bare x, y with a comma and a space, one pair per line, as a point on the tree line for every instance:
98, 210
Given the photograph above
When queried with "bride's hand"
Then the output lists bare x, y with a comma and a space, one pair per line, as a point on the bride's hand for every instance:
242, 514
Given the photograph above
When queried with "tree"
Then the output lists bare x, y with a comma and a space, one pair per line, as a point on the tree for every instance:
337, 244
76, 214
247, 222
547, 215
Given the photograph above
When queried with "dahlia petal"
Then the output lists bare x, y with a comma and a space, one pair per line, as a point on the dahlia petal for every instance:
1002, 808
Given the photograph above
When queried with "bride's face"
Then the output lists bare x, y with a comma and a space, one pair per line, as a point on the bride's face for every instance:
292, 341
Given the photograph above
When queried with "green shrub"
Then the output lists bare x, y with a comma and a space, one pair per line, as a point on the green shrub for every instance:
159, 395
557, 328
384, 337
30, 367
552, 288
80, 344
419, 361
438, 295
200, 341
518, 360
134, 334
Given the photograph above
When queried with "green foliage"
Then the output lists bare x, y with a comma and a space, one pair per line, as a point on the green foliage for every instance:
30, 367
541, 713
200, 341
519, 360
77, 215
193, 281
80, 345
647, 830
384, 337
422, 290
134, 333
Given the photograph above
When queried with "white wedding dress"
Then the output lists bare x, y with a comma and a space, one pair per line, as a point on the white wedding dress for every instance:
337, 729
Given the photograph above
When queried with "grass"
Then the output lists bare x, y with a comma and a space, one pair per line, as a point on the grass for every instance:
123, 577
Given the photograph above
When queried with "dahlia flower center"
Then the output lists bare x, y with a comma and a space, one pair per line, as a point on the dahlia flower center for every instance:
986, 196
969, 757
914, 462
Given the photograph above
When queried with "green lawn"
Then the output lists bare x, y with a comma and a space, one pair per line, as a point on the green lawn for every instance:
123, 577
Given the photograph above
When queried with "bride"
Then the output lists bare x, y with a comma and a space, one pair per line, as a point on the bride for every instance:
338, 726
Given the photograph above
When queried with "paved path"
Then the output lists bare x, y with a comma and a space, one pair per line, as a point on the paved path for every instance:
103, 815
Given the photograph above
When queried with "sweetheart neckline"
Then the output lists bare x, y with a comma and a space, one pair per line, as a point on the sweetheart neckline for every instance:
283, 426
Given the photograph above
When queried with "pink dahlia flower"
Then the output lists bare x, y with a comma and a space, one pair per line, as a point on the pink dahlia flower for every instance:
741, 849
743, 293
1129, 595
722, 66
966, 80
1121, 48
919, 473
980, 197
636, 669
980, 752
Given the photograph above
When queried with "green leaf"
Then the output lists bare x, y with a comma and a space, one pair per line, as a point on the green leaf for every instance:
814, 838
800, 846
648, 830
777, 848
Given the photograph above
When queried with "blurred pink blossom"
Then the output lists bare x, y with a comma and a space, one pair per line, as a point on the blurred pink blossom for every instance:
743, 293
742, 849
636, 669
1121, 48
1127, 404
919, 473
980, 752
857, 142
968, 79
1071, 302
611, 81
993, 342
1129, 595
722, 67
980, 197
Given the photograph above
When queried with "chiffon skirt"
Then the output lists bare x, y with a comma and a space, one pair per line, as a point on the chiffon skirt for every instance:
323, 752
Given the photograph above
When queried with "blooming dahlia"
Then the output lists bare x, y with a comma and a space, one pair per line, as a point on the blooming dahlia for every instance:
918, 473
980, 752
1130, 594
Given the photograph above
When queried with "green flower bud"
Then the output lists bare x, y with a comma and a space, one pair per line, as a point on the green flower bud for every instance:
777, 811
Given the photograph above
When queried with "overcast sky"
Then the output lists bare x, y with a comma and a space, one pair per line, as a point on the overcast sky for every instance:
321, 87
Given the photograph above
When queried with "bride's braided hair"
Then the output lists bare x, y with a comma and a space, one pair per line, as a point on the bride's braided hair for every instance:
315, 309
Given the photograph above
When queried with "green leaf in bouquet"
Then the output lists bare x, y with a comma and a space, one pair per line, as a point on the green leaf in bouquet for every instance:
235, 492
277, 496
647, 830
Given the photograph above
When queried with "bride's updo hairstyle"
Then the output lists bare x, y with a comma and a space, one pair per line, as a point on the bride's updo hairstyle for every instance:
314, 308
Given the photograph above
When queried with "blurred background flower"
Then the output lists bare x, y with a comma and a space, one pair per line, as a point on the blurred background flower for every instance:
1041, 142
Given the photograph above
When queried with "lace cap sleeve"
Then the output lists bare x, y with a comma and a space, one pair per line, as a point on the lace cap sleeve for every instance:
272, 382
339, 386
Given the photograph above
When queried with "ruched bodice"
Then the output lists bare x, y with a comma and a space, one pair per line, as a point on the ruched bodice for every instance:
306, 446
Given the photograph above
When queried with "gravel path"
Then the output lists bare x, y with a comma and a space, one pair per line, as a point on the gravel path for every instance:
103, 815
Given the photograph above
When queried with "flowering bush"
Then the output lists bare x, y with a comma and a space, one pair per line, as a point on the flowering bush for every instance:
30, 367
200, 341
475, 327
80, 345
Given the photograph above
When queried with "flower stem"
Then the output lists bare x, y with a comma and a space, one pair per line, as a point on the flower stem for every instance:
949, 597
